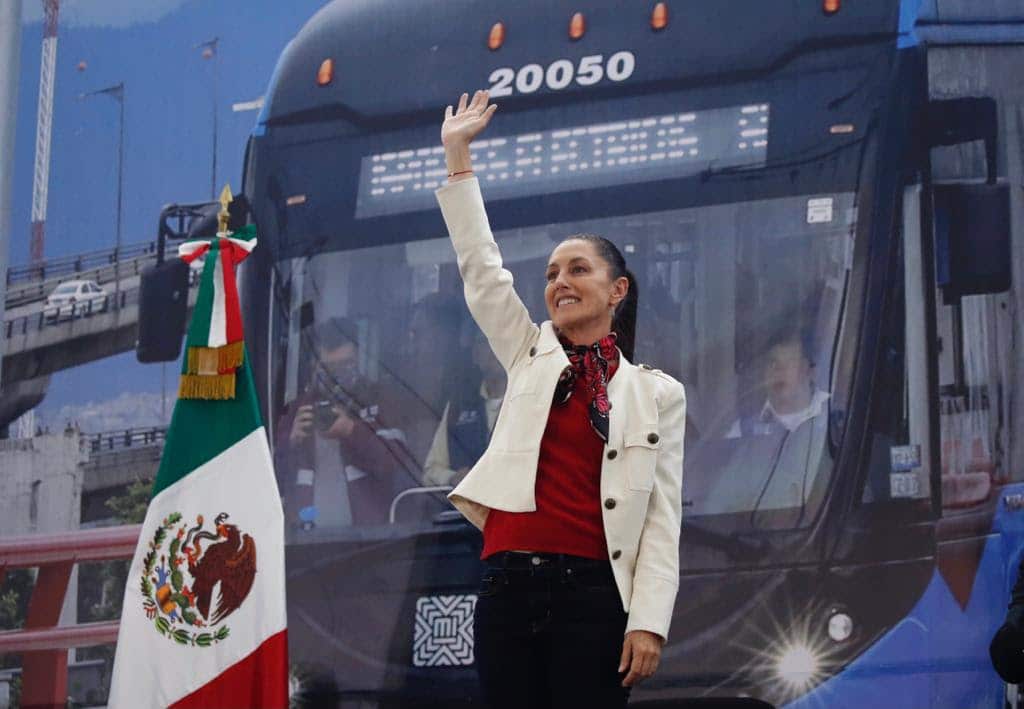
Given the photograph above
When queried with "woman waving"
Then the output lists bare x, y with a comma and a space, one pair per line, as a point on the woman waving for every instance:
578, 494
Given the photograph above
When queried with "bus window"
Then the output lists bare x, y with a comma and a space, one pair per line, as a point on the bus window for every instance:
762, 460
971, 401
360, 390
388, 392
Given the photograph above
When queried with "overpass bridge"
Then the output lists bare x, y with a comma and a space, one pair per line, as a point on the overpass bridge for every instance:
31, 283
39, 343
116, 459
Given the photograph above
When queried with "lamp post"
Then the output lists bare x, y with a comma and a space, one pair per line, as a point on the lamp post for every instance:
10, 56
209, 48
116, 92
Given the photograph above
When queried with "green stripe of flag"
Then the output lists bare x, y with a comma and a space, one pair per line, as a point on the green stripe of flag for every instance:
202, 429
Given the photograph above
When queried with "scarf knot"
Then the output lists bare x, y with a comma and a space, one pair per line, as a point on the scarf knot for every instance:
589, 364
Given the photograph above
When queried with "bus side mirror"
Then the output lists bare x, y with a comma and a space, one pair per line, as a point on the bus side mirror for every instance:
164, 288
163, 309
972, 239
962, 120
972, 221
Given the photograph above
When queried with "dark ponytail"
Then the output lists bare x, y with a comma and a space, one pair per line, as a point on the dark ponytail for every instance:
624, 319
624, 322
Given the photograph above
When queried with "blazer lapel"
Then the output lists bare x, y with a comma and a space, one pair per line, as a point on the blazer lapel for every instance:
548, 339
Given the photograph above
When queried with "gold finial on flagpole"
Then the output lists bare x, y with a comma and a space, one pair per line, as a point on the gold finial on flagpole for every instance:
223, 215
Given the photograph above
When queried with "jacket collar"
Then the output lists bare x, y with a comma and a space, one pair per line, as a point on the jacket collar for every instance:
548, 338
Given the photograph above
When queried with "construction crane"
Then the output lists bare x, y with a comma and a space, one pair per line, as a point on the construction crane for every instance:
44, 123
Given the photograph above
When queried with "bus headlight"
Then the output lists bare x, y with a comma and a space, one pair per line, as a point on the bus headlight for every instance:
797, 666
840, 627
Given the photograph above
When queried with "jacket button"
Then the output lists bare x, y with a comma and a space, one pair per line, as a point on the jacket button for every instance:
652, 438
616, 554
533, 351
609, 503
612, 453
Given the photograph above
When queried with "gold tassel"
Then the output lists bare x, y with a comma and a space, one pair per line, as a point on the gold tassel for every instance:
198, 386
230, 356
214, 360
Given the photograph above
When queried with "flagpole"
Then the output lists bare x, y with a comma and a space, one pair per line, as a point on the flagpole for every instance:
10, 52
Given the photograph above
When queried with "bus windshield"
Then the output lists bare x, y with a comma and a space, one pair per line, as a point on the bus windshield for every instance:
384, 390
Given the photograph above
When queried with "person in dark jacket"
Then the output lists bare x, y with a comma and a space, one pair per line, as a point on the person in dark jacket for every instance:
340, 456
476, 390
1007, 647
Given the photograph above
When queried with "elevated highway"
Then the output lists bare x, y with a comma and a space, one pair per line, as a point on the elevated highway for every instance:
41, 343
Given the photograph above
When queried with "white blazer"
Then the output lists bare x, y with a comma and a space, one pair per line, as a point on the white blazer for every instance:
642, 466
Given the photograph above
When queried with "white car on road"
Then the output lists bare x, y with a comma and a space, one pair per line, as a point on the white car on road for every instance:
75, 297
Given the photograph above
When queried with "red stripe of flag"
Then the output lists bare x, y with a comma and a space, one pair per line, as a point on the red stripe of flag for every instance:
232, 310
259, 681
201, 251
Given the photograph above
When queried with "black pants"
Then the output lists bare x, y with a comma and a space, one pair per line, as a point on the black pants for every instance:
548, 632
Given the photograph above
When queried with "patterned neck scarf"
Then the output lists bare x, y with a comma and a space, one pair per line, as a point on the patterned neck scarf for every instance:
591, 365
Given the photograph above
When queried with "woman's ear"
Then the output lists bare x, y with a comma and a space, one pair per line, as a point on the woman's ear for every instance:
620, 287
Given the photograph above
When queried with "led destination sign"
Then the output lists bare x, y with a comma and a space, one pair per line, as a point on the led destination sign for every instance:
580, 157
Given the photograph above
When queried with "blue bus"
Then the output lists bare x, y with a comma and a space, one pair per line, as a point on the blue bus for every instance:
814, 197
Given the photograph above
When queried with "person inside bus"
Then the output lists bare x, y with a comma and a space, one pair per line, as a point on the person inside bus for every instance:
1007, 647
791, 395
476, 390
433, 345
340, 460
579, 492
771, 471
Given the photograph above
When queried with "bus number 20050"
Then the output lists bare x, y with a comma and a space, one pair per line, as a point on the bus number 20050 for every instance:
561, 73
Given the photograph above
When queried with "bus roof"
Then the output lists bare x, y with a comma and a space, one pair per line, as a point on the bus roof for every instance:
392, 59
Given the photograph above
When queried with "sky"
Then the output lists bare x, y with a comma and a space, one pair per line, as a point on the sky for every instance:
150, 45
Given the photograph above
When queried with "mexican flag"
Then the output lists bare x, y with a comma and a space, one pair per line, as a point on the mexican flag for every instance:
203, 622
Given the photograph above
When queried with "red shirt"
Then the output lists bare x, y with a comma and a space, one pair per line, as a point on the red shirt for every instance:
568, 489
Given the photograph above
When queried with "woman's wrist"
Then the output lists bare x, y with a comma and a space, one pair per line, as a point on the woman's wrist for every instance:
460, 164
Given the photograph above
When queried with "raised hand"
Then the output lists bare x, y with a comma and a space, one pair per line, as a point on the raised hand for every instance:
302, 425
461, 126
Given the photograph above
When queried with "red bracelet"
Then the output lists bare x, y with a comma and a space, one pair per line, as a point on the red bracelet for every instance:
461, 172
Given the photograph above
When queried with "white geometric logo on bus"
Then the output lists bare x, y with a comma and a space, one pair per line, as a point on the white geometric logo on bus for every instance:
444, 631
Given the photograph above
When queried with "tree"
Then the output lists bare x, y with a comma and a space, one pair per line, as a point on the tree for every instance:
130, 508
106, 580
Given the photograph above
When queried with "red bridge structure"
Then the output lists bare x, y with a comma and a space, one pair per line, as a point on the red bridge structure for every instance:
42, 643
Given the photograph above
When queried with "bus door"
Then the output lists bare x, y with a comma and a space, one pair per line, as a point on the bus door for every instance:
979, 532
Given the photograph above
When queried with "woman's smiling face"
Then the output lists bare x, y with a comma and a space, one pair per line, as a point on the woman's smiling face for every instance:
580, 293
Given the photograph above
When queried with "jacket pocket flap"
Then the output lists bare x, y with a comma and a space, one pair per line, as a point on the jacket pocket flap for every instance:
645, 436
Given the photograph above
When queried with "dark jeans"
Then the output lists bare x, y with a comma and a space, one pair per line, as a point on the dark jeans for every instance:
549, 634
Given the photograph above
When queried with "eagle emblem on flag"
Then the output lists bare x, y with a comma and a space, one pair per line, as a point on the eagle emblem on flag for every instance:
194, 578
